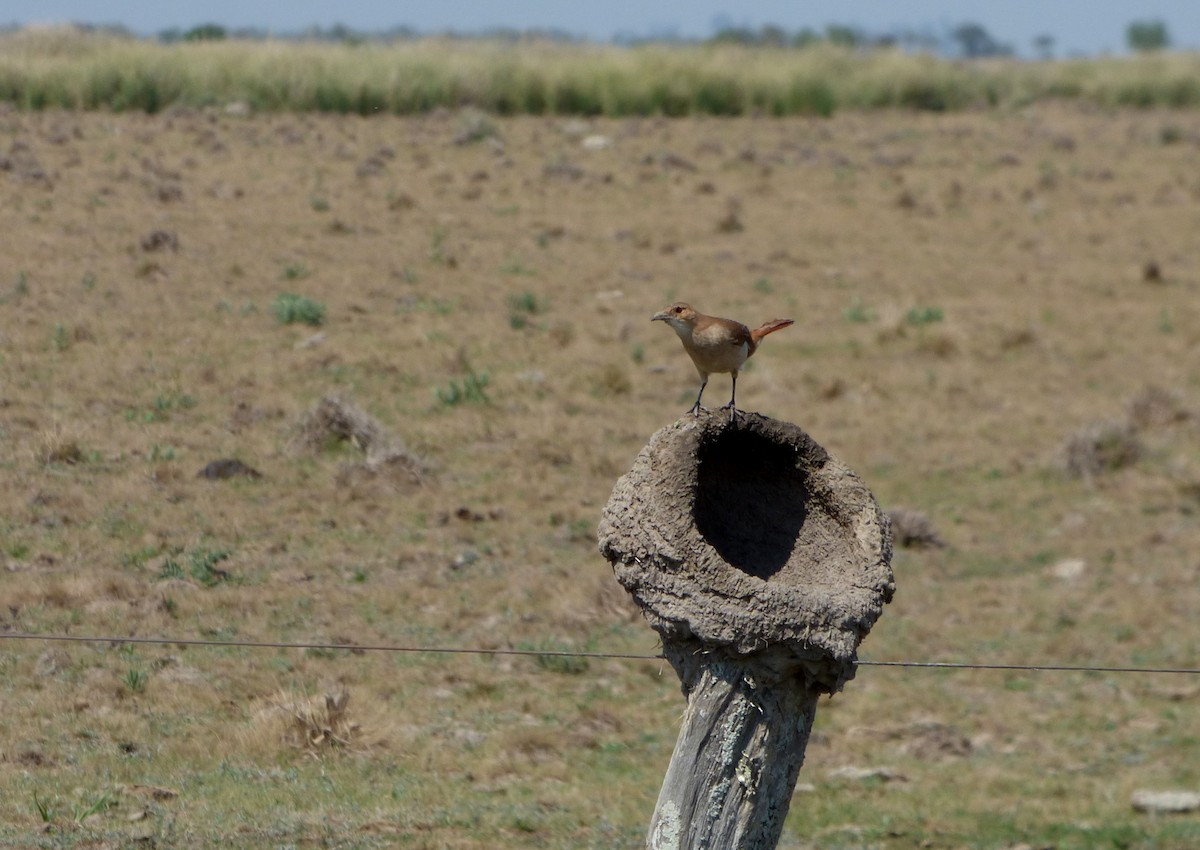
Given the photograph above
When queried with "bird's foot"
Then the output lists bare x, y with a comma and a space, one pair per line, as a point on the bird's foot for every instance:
733, 412
696, 409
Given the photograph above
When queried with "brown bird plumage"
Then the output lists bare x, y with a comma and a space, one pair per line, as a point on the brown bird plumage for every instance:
715, 344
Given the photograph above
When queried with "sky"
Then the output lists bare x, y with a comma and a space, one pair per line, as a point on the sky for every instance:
1077, 27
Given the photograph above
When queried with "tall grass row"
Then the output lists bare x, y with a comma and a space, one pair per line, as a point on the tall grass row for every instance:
71, 69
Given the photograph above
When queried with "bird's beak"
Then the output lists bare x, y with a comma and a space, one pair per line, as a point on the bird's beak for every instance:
660, 316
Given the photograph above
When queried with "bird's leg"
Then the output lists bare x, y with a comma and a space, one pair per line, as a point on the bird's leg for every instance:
732, 407
696, 408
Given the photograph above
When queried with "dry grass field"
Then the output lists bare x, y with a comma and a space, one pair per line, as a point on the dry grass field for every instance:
971, 292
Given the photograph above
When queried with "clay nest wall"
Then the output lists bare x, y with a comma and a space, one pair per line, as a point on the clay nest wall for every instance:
747, 536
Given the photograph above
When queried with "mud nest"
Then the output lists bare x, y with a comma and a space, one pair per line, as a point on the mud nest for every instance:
747, 536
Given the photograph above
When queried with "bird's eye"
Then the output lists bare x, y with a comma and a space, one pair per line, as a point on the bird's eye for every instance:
678, 309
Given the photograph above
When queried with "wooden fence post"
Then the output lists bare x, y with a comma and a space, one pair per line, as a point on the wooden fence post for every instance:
762, 562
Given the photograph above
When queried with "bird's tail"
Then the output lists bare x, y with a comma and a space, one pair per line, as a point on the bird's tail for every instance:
769, 328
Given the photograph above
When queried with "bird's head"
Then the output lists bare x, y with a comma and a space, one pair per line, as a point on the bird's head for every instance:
680, 316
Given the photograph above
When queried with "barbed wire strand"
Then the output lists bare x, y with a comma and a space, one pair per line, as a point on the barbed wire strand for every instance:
559, 653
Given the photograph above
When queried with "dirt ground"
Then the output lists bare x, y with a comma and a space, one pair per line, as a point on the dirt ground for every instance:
971, 292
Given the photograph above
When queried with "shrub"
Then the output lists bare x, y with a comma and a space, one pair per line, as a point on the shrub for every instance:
1101, 447
291, 308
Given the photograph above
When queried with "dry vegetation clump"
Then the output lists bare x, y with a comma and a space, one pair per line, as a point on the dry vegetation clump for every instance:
58, 445
913, 529
1112, 444
1156, 407
318, 724
336, 418
160, 240
1101, 447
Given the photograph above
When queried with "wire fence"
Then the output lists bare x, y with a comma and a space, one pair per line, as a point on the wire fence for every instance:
543, 653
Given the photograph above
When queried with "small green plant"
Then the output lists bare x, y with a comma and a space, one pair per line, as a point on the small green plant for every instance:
173, 400
88, 282
135, 680
160, 409
437, 306
61, 338
295, 271
161, 453
857, 312
638, 353
472, 387
202, 566
21, 286
514, 266
291, 308
17, 550
924, 315
318, 203
102, 802
764, 285
44, 808
523, 305
140, 556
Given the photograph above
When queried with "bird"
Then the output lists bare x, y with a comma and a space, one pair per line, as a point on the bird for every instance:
716, 344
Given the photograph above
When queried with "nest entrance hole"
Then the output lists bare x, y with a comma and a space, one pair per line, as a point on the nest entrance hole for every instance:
750, 500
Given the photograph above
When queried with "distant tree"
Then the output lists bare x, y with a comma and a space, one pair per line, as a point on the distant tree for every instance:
771, 35
1144, 36
343, 33
805, 37
112, 30
401, 33
1044, 45
205, 32
974, 42
734, 35
843, 36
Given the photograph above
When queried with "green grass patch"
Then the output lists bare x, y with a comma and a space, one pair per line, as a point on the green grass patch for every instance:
59, 68
291, 308
200, 564
470, 388
522, 306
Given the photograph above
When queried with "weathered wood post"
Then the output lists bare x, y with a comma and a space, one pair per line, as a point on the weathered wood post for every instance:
762, 562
